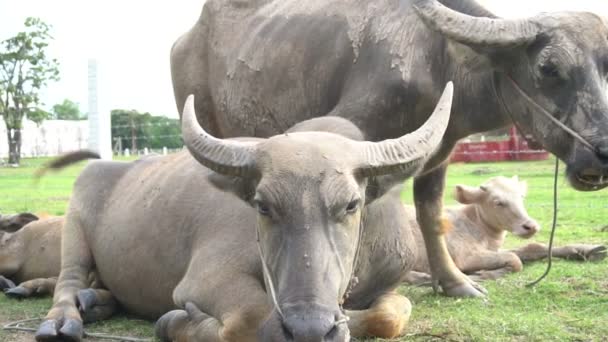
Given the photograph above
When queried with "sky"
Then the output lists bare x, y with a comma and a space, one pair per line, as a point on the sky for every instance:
131, 40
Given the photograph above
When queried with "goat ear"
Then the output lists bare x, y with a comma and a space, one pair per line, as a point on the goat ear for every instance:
243, 188
467, 194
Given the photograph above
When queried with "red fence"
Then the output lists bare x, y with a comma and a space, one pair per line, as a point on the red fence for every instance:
515, 148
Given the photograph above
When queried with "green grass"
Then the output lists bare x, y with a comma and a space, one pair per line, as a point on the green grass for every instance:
571, 304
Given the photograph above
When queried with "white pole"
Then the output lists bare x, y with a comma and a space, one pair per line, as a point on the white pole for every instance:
100, 134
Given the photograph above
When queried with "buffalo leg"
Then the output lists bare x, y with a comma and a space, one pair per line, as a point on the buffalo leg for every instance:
6, 283
236, 318
491, 265
428, 193
387, 317
63, 322
582, 252
34, 287
418, 278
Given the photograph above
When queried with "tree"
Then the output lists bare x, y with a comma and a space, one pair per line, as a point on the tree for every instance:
138, 130
24, 70
67, 110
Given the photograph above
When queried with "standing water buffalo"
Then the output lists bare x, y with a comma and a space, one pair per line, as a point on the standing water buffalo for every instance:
161, 236
258, 67
479, 227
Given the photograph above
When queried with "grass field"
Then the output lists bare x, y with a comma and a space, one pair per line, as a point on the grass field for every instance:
570, 305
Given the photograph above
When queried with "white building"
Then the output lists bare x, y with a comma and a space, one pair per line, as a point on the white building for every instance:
51, 138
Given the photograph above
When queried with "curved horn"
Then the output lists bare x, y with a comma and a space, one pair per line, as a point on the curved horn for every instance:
478, 31
406, 154
228, 157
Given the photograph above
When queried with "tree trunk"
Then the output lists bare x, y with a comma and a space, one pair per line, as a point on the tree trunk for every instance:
14, 145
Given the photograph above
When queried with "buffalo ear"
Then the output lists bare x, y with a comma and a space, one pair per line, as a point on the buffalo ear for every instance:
15, 222
468, 195
243, 188
378, 186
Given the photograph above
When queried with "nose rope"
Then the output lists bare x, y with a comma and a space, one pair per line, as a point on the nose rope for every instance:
550, 251
565, 128
266, 273
268, 277
352, 279
548, 115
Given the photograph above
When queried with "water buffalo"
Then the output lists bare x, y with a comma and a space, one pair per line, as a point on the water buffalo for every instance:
15, 249
258, 67
479, 227
30, 257
162, 235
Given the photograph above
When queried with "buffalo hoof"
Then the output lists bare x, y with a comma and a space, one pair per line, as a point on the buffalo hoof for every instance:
466, 289
50, 330
596, 254
175, 323
6, 283
86, 300
18, 292
169, 323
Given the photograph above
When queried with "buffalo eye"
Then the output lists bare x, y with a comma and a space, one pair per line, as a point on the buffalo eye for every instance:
549, 70
352, 206
263, 208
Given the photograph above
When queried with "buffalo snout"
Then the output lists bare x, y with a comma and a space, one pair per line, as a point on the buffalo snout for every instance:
529, 228
306, 322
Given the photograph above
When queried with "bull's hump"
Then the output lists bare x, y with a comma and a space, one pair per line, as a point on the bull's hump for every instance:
255, 18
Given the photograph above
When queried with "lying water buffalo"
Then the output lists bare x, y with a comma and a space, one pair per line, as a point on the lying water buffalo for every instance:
30, 255
161, 236
478, 231
258, 67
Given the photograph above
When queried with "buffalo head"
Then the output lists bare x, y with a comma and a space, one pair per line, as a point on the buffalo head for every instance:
309, 190
550, 75
500, 205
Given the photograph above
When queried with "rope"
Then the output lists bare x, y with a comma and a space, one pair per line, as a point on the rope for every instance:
266, 273
566, 129
16, 326
551, 117
550, 251
268, 278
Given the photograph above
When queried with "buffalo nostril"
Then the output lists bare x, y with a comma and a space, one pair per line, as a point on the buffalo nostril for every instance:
308, 328
530, 227
602, 152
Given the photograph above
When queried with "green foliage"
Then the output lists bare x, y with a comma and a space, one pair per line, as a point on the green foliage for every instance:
67, 110
137, 130
24, 70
